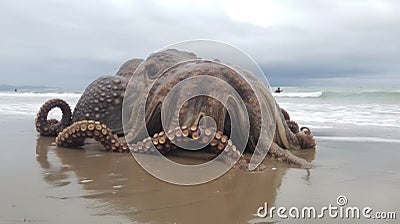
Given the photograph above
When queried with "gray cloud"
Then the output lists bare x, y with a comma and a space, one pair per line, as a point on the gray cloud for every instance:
70, 43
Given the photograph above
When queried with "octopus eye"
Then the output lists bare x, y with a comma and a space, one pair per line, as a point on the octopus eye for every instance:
152, 71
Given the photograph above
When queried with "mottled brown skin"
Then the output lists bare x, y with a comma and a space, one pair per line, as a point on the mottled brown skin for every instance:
101, 107
194, 109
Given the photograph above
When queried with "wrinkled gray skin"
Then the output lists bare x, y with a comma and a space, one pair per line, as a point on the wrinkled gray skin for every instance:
102, 100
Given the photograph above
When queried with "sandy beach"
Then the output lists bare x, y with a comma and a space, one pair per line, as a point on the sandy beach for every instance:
42, 183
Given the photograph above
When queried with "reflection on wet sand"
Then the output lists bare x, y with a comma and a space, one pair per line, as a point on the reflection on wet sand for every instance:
119, 186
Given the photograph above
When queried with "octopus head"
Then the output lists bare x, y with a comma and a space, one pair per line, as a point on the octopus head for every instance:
140, 84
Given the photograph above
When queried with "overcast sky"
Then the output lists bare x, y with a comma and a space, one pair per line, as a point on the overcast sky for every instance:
69, 43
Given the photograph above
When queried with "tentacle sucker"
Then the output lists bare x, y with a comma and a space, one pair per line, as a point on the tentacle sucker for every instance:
75, 134
165, 142
52, 127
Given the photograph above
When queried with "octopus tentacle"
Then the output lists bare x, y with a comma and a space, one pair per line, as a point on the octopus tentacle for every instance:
293, 126
277, 153
52, 127
159, 140
289, 132
165, 142
75, 135
305, 130
306, 138
285, 114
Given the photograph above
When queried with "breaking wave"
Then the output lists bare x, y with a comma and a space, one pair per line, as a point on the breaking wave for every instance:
345, 95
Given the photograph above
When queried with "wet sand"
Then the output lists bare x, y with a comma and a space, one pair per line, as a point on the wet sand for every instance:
43, 183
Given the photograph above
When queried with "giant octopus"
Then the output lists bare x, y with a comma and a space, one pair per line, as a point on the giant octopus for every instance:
99, 112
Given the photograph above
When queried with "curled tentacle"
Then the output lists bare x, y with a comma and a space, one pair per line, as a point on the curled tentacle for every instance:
285, 114
306, 130
306, 138
52, 121
52, 127
75, 135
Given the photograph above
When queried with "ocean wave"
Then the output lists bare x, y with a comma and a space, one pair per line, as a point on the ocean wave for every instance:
299, 94
28, 103
362, 94
338, 114
357, 139
40, 94
345, 94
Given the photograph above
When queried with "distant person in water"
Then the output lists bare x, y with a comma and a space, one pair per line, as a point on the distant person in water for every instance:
15, 90
279, 90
